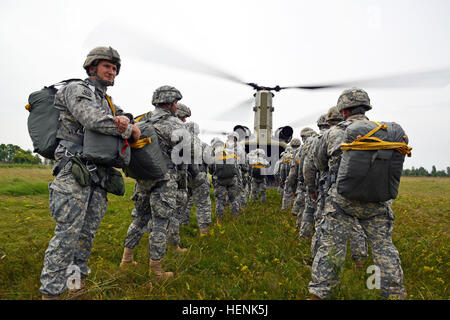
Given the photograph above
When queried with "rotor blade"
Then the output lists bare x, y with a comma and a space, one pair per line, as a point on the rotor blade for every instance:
208, 131
430, 78
140, 45
240, 112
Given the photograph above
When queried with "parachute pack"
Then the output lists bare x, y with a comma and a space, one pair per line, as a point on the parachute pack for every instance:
372, 161
43, 119
225, 165
147, 159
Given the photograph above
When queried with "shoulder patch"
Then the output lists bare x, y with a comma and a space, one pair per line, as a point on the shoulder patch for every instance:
87, 92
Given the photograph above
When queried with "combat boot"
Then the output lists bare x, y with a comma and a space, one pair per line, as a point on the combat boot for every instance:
314, 297
127, 258
77, 293
179, 250
156, 267
203, 232
50, 297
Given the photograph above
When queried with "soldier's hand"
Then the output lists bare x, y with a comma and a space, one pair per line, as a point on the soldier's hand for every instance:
121, 122
135, 132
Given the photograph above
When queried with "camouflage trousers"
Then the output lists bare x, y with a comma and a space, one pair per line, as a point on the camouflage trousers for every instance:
77, 212
141, 215
280, 190
358, 243
164, 200
259, 187
305, 221
377, 221
299, 203
200, 196
227, 195
142, 222
288, 197
242, 196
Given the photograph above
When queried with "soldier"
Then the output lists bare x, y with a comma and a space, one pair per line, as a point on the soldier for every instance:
225, 181
288, 193
258, 161
376, 218
183, 112
162, 193
198, 184
234, 144
291, 180
317, 184
76, 209
141, 213
300, 192
307, 219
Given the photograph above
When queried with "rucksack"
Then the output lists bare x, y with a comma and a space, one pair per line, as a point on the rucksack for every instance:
372, 161
43, 119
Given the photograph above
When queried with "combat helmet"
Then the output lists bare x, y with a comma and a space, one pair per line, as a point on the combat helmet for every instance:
306, 133
295, 143
166, 94
353, 97
215, 142
183, 111
334, 115
193, 128
322, 122
102, 53
233, 135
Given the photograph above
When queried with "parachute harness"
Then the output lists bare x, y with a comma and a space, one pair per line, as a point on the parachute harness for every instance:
227, 155
108, 98
360, 143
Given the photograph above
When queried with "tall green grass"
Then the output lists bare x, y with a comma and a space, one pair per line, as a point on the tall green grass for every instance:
258, 256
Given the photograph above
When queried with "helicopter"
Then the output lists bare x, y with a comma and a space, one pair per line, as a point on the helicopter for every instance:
145, 47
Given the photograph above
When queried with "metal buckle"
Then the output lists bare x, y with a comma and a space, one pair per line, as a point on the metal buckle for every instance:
68, 154
91, 166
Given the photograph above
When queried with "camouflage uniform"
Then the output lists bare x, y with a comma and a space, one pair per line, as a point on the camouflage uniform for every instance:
293, 182
257, 160
288, 194
226, 191
376, 219
239, 150
141, 215
199, 186
77, 210
317, 181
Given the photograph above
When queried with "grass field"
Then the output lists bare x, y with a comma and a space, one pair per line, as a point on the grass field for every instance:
257, 257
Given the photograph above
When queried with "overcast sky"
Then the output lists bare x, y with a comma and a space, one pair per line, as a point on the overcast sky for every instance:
267, 42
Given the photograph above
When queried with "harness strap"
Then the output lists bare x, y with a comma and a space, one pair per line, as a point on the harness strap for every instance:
360, 143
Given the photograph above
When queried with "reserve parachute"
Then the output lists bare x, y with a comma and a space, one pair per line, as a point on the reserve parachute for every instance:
107, 150
372, 161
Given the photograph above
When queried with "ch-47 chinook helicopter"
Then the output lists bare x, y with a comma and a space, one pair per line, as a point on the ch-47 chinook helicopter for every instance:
140, 45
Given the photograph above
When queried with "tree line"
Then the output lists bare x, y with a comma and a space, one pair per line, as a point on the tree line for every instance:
10, 153
422, 172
